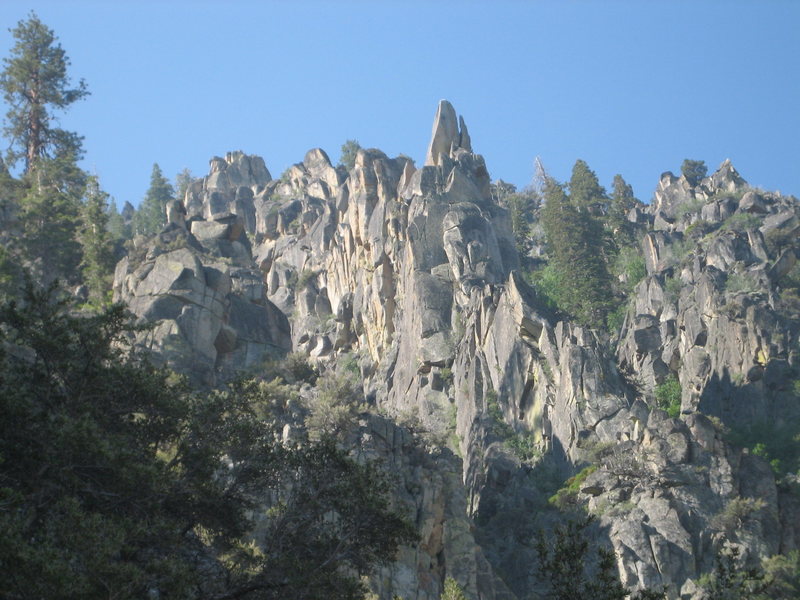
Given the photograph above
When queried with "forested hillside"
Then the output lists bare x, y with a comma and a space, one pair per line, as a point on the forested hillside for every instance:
380, 380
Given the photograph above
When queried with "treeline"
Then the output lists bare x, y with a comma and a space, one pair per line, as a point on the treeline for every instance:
56, 222
577, 246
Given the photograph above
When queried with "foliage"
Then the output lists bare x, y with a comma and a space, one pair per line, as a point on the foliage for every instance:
782, 573
337, 405
300, 369
35, 84
672, 289
694, 171
452, 591
565, 562
622, 201
152, 214
305, 277
575, 249
347, 158
113, 476
567, 495
182, 182
737, 510
97, 263
523, 445
742, 222
49, 218
740, 283
585, 191
776, 442
630, 266
546, 282
730, 581
668, 396
521, 208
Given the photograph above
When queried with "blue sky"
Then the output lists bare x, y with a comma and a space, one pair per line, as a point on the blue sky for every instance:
631, 87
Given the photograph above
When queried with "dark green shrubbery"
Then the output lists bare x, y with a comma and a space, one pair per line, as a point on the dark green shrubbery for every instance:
668, 396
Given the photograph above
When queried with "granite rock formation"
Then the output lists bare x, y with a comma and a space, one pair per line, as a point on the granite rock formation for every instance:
413, 274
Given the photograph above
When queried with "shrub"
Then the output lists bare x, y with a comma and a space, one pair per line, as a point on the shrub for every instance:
672, 289
336, 408
452, 591
740, 283
668, 396
299, 368
778, 444
567, 496
305, 277
741, 222
694, 170
736, 512
630, 265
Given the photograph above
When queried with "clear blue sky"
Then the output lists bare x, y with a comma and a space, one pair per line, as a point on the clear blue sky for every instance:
631, 87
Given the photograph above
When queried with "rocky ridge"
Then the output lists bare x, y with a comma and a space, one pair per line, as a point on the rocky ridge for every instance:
413, 273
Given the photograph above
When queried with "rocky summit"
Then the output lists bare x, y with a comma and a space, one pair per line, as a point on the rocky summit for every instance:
478, 398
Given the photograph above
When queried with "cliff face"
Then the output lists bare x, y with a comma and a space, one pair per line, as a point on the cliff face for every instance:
413, 273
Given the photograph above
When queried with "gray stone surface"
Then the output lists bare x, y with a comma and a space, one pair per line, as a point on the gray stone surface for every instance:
412, 274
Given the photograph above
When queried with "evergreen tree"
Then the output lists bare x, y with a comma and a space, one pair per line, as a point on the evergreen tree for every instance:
96, 241
585, 191
348, 156
694, 171
520, 222
49, 216
563, 566
152, 216
115, 478
182, 182
35, 83
575, 253
452, 591
117, 227
622, 201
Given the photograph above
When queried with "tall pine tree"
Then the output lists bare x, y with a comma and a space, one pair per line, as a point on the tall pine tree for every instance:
35, 85
95, 238
575, 252
585, 191
151, 216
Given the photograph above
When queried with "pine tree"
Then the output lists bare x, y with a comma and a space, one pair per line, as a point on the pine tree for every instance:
575, 252
693, 170
98, 253
49, 218
585, 191
35, 85
117, 227
349, 151
182, 182
151, 216
622, 201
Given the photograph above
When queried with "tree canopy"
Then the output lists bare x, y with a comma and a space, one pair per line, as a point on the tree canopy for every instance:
115, 478
35, 85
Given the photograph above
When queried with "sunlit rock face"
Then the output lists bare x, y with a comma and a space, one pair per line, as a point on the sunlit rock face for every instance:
413, 273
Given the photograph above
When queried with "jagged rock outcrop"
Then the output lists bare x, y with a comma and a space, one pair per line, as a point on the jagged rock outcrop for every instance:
413, 273
208, 315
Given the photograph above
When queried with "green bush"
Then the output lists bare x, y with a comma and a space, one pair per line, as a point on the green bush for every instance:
672, 289
741, 222
736, 512
668, 396
567, 496
737, 283
452, 591
778, 444
630, 264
